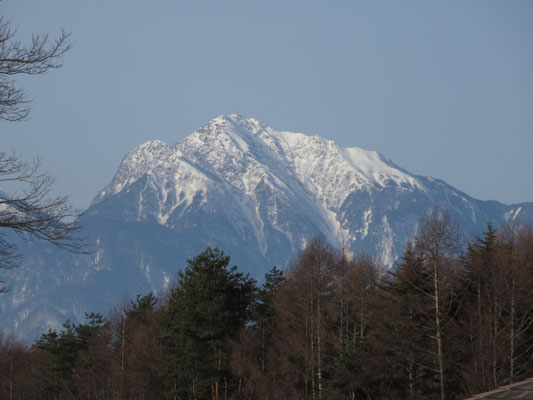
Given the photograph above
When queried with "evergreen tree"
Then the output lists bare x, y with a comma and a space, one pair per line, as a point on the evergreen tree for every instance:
404, 329
264, 309
64, 348
142, 307
209, 306
481, 314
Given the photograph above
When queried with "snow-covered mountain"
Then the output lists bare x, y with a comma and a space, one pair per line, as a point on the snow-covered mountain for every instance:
236, 183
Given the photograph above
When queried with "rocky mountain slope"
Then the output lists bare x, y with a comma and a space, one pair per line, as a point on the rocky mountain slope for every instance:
258, 193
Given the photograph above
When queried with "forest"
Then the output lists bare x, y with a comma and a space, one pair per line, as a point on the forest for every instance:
453, 318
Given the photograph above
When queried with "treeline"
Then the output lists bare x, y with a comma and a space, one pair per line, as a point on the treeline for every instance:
450, 321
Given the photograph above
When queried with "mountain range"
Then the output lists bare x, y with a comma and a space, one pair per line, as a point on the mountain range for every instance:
257, 193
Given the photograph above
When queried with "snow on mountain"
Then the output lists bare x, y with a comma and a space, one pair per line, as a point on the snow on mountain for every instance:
236, 183
242, 158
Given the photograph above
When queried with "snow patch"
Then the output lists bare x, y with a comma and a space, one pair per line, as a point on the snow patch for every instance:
512, 215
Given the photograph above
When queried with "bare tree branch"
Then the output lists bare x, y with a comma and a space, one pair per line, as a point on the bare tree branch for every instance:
41, 55
31, 212
28, 209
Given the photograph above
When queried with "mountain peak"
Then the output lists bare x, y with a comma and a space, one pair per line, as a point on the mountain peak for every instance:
243, 155
233, 122
220, 124
240, 185
230, 145
153, 144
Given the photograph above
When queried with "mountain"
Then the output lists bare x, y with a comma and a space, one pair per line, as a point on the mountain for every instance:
238, 184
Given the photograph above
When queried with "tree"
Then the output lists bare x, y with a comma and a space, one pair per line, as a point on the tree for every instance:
438, 243
208, 307
21, 371
252, 360
124, 359
29, 210
16, 59
405, 326
139, 362
484, 314
305, 296
350, 310
65, 348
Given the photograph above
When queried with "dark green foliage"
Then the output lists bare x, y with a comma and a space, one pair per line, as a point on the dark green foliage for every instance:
411, 276
405, 335
141, 307
209, 306
333, 328
264, 308
479, 261
64, 348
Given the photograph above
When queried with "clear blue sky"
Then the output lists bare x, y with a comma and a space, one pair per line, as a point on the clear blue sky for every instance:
443, 88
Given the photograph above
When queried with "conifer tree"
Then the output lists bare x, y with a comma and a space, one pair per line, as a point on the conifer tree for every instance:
480, 317
404, 329
209, 306
64, 348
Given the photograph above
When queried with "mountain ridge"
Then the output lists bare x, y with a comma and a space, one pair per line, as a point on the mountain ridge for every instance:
238, 184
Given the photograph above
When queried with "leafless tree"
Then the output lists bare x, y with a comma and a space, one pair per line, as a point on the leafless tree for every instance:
29, 210
438, 242
37, 58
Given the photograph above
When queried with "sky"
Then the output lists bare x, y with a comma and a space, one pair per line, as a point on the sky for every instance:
444, 89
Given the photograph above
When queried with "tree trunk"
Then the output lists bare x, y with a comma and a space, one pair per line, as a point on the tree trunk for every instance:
513, 318
494, 341
411, 379
312, 342
11, 378
438, 331
263, 353
122, 356
318, 344
362, 313
225, 388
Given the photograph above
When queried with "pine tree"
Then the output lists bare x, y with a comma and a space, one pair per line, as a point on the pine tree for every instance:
209, 306
405, 326
64, 348
481, 312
